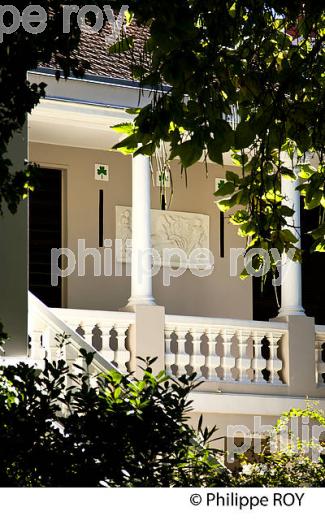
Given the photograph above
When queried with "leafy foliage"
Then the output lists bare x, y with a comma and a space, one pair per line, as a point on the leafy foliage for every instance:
103, 430
70, 428
21, 52
281, 469
263, 60
288, 461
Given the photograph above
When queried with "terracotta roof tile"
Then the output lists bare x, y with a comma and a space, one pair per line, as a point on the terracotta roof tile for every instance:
93, 49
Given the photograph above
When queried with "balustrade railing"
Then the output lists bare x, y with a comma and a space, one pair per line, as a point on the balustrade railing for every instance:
108, 332
102, 333
228, 351
320, 354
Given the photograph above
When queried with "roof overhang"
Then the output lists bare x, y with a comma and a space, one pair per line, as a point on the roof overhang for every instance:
81, 112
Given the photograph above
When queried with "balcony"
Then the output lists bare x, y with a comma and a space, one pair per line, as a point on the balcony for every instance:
259, 362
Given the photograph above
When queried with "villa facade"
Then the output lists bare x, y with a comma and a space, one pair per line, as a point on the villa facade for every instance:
190, 309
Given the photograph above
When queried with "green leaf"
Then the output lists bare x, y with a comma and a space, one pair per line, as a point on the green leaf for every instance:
124, 128
232, 10
319, 246
305, 171
214, 152
133, 111
225, 189
244, 135
315, 201
223, 134
242, 197
286, 211
287, 236
247, 229
189, 152
226, 204
126, 150
128, 145
117, 392
286, 173
128, 17
240, 217
273, 196
239, 159
244, 274
148, 149
123, 45
232, 176
318, 232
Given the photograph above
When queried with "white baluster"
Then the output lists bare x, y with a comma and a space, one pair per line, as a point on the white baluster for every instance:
274, 364
88, 333
50, 344
197, 360
182, 358
121, 355
169, 356
320, 364
106, 351
243, 362
212, 360
259, 363
37, 349
227, 360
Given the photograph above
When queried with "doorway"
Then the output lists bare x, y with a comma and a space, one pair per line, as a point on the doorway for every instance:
313, 278
45, 233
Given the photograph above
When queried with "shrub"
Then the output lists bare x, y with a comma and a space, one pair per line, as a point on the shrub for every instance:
288, 460
281, 469
68, 428
108, 430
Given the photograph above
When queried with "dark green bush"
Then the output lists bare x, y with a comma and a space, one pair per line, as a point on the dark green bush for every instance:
71, 429
106, 430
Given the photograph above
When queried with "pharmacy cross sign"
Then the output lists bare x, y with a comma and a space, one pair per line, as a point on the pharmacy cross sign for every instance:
101, 172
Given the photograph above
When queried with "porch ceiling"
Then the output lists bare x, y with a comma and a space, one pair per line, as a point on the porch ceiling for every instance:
75, 124
80, 112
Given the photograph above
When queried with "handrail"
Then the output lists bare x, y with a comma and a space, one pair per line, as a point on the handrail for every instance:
54, 321
227, 322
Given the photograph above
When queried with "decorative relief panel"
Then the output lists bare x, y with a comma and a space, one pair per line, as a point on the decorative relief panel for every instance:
169, 230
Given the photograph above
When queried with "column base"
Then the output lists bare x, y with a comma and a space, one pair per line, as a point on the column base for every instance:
290, 311
133, 302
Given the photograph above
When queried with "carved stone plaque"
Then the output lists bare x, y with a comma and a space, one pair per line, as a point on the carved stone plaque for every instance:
169, 230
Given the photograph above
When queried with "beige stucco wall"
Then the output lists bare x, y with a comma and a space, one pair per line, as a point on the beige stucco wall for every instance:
233, 425
216, 295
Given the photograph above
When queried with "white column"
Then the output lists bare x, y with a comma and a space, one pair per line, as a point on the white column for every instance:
141, 276
291, 288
